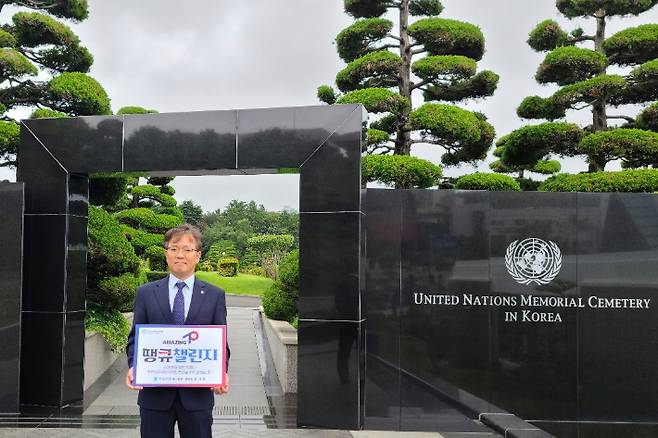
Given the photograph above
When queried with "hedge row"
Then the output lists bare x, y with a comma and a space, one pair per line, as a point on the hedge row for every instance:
632, 180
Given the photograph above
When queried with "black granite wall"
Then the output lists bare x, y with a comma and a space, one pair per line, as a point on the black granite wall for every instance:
582, 366
11, 265
322, 143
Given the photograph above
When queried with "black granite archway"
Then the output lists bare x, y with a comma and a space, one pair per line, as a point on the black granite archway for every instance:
323, 143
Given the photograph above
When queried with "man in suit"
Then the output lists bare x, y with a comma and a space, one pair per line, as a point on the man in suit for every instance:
179, 298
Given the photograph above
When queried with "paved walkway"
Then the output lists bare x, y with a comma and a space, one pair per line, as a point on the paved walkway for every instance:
223, 433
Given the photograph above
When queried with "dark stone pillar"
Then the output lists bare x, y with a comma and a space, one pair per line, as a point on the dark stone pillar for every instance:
331, 346
11, 262
54, 277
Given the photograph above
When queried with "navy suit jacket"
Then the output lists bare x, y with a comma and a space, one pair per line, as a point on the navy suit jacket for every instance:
208, 307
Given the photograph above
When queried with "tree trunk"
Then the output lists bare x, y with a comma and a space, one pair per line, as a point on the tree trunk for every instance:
599, 116
403, 135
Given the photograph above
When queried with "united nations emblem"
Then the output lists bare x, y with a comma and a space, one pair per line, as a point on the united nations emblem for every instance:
533, 260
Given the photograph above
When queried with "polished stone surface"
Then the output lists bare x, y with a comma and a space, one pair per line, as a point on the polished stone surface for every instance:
322, 143
46, 190
534, 358
573, 377
11, 266
329, 266
383, 223
618, 255
180, 141
333, 350
81, 144
269, 137
53, 283
330, 179
41, 369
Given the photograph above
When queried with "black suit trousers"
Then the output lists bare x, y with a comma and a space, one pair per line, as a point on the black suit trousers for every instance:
191, 424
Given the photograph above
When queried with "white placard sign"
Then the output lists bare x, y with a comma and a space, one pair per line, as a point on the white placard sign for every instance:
180, 355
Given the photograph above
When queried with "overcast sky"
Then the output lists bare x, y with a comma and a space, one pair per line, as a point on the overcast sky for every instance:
224, 54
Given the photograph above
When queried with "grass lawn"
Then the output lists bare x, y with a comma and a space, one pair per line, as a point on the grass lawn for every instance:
242, 284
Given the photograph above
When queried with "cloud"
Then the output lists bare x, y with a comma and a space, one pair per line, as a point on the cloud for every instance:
220, 54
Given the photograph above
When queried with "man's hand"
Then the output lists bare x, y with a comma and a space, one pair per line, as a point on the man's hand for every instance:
129, 380
220, 389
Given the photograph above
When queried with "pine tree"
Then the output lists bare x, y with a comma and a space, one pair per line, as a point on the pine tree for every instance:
43, 65
586, 84
383, 74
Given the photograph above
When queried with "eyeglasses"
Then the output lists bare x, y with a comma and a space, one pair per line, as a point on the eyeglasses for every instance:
173, 250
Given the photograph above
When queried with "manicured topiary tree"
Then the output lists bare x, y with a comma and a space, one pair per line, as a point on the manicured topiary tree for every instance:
384, 72
43, 65
586, 85
112, 266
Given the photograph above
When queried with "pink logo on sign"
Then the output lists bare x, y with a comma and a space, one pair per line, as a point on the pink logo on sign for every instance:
191, 336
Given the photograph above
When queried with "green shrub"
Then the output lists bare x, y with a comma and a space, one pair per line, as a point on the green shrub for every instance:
205, 266
110, 254
156, 257
528, 185
487, 181
295, 322
280, 300
156, 275
219, 249
288, 278
632, 180
279, 305
252, 270
119, 292
135, 110
111, 325
228, 266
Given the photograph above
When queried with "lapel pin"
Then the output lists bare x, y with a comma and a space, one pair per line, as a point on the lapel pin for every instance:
201, 292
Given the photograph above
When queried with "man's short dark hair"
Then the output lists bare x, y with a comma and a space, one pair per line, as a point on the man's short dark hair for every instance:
182, 229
